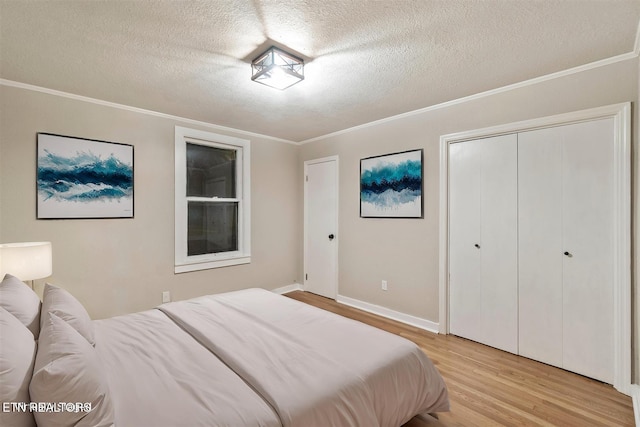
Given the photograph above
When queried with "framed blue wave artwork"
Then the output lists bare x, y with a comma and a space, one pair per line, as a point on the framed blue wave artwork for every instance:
391, 185
83, 178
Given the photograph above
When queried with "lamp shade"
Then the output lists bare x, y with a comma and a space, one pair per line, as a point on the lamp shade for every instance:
27, 260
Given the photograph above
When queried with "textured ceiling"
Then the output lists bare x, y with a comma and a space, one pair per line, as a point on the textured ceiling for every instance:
367, 60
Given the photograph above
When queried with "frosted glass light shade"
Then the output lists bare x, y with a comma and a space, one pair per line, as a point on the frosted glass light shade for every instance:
26, 261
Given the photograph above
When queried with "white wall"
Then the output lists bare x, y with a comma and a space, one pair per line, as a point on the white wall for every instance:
116, 266
405, 251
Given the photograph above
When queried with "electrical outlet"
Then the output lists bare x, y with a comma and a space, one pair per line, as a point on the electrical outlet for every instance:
166, 296
384, 285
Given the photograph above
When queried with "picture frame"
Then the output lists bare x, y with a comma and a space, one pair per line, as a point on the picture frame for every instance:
80, 178
391, 185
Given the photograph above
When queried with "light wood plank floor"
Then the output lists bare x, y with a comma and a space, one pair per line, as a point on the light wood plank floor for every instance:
489, 387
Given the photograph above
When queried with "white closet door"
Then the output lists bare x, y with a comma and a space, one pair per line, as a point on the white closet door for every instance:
465, 310
483, 241
587, 187
565, 197
540, 245
499, 241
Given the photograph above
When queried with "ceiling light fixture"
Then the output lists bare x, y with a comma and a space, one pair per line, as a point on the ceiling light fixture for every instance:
277, 68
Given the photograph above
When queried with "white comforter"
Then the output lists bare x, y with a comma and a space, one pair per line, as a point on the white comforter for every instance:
253, 358
159, 376
313, 367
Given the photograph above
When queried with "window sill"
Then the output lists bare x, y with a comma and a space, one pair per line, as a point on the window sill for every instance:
205, 265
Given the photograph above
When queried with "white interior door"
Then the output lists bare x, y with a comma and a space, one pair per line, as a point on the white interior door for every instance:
483, 241
587, 187
499, 246
465, 287
540, 245
566, 247
321, 227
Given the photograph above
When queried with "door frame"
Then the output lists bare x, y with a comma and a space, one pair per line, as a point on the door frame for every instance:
621, 114
307, 163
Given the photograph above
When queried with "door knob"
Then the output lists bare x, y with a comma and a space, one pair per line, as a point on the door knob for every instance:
331, 236
568, 254
477, 246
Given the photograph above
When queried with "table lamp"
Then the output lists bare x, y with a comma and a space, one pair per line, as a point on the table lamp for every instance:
26, 260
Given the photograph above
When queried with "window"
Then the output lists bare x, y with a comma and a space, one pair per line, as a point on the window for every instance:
212, 200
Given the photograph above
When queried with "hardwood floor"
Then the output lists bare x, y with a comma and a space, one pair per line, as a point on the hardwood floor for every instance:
489, 387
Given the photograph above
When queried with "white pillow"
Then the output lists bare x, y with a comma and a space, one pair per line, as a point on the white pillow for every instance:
67, 369
17, 354
64, 305
20, 300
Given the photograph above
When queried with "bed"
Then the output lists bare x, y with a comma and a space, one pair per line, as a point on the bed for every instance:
245, 358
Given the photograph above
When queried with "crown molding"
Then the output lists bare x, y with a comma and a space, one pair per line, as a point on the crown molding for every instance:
19, 85
530, 82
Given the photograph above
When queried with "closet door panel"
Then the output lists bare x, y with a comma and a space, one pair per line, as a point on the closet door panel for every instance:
499, 242
540, 245
587, 186
465, 291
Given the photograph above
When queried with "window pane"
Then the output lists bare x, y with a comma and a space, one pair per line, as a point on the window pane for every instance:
211, 172
212, 228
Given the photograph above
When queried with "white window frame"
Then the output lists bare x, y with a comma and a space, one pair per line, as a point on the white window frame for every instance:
183, 262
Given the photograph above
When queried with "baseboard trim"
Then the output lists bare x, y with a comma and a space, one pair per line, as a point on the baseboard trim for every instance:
635, 397
288, 288
418, 322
